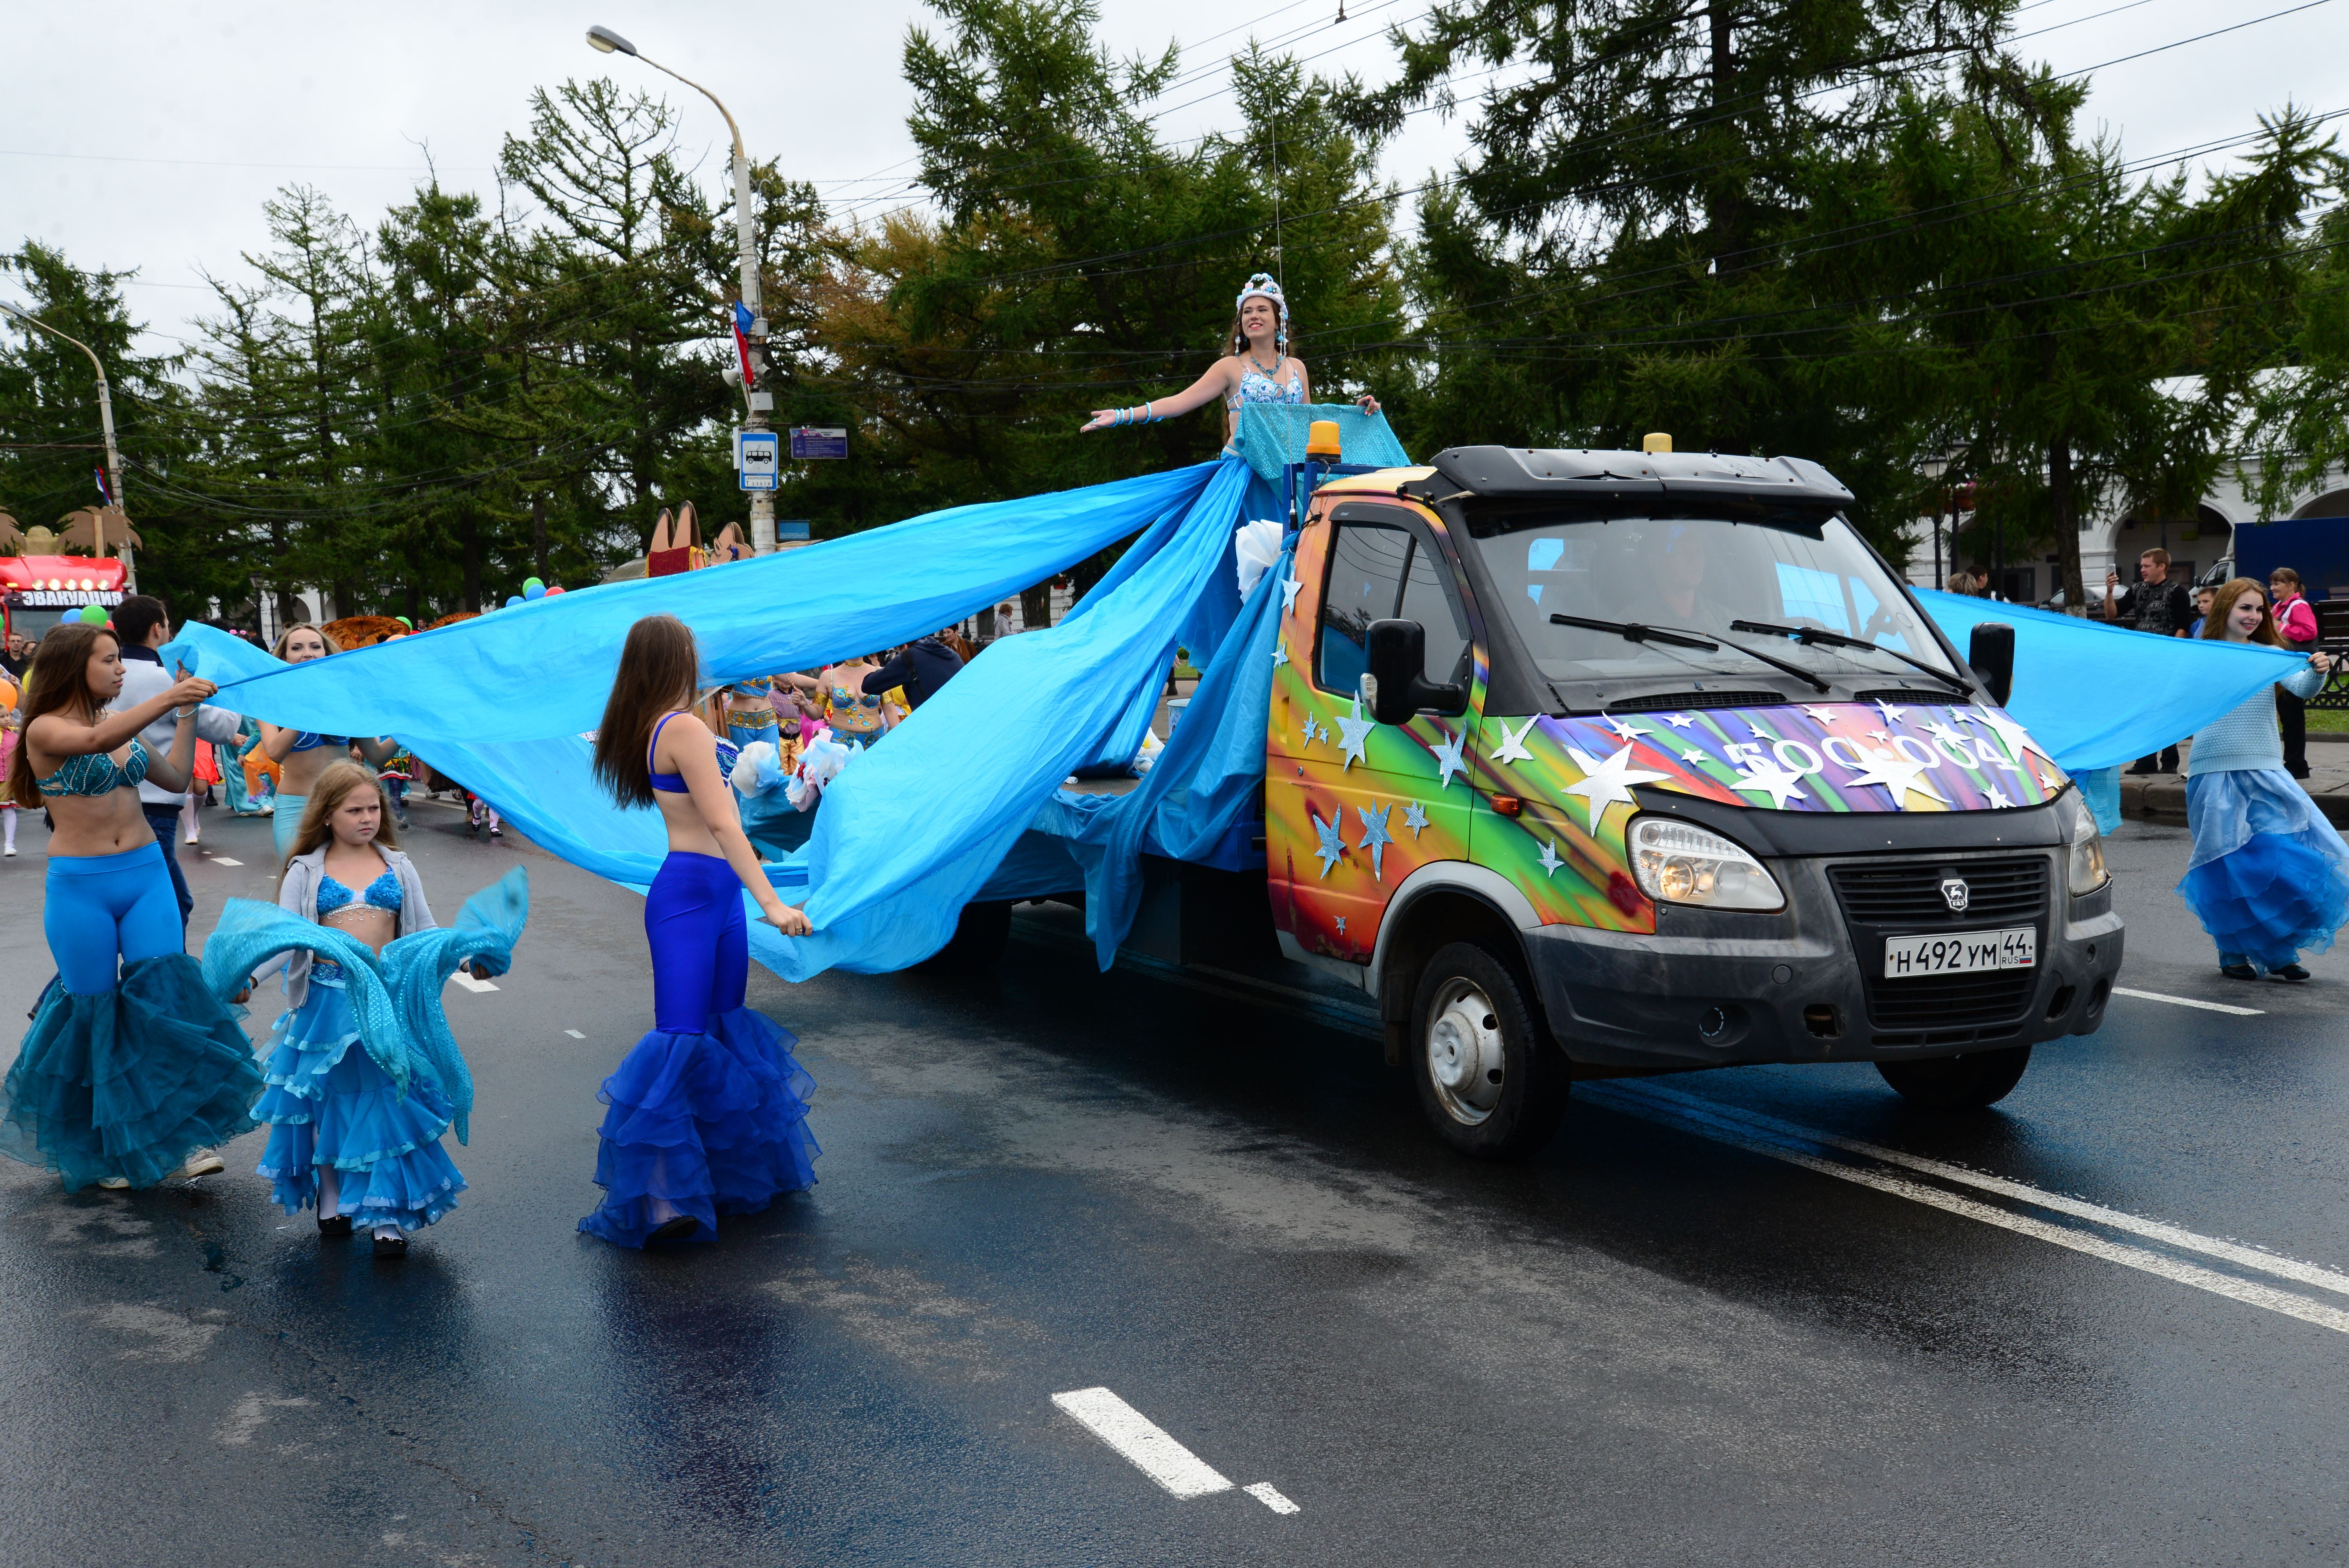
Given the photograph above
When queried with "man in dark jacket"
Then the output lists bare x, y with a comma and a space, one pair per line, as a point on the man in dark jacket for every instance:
920, 667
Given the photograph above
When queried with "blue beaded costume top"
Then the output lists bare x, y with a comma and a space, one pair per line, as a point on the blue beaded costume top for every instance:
381, 893
95, 773
1255, 386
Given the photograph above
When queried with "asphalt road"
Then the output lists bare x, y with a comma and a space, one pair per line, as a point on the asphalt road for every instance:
1760, 1316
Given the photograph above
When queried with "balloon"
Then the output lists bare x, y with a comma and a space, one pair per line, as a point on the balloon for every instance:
94, 615
405, 622
513, 599
534, 589
557, 589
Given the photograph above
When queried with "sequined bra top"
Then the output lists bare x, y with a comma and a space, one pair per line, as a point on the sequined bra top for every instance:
856, 712
381, 893
95, 773
1255, 386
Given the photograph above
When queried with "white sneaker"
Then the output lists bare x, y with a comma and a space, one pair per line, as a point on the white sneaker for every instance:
206, 1164
115, 1183
11, 853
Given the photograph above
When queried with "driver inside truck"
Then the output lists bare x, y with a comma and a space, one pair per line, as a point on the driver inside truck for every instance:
1680, 572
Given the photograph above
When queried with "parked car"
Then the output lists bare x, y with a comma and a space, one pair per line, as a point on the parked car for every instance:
2095, 598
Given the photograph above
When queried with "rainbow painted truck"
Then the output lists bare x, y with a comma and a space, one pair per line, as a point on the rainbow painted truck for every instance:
1593, 763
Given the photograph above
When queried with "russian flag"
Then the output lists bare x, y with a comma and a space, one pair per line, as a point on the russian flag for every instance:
99, 475
743, 319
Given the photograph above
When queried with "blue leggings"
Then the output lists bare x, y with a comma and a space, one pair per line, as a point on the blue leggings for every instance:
700, 940
286, 822
102, 910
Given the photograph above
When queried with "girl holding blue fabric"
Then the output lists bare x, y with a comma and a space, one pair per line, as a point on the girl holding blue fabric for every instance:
1257, 367
304, 755
2269, 878
709, 1111
342, 1136
132, 1070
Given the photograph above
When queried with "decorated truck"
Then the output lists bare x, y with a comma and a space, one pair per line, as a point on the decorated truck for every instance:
1593, 763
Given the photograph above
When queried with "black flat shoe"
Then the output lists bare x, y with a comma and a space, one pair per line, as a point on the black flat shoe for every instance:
2238, 972
391, 1246
2291, 971
334, 1225
676, 1229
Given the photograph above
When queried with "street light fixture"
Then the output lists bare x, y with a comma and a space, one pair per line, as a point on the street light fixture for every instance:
760, 404
106, 423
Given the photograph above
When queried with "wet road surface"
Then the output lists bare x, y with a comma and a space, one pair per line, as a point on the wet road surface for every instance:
1767, 1315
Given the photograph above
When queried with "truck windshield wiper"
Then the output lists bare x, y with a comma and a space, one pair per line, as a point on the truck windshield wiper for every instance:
1633, 632
1809, 635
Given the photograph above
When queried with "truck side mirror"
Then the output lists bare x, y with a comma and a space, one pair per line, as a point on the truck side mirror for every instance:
1397, 687
1992, 654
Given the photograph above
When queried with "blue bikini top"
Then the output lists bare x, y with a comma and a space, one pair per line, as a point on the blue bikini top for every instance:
310, 741
381, 893
667, 783
1255, 386
95, 773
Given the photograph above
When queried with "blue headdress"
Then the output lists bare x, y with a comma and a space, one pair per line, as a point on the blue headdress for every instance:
1266, 285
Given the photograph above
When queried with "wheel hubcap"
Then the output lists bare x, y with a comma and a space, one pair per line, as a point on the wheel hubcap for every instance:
1466, 1060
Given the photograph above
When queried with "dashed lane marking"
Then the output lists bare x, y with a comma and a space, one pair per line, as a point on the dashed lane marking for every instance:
2188, 1001
1800, 1146
1145, 1445
574, 1034
223, 861
470, 984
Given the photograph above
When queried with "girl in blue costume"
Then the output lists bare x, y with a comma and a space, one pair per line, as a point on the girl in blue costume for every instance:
1257, 367
709, 1111
342, 1137
127, 1077
2269, 878
301, 754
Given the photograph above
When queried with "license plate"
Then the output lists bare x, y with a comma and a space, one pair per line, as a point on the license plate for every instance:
1960, 952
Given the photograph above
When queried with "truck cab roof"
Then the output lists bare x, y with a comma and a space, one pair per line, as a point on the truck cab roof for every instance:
1534, 473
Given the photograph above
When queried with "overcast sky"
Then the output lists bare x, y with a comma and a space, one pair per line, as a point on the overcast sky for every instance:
144, 135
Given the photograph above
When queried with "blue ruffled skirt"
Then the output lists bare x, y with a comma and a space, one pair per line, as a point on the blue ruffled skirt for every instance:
328, 1104
2269, 879
129, 1082
702, 1125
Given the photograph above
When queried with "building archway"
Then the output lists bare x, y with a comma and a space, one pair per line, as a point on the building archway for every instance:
2195, 543
2332, 503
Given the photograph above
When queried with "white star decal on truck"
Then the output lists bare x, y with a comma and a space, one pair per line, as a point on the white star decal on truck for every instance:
1605, 783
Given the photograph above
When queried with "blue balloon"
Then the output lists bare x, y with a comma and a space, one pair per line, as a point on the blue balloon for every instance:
513, 599
536, 590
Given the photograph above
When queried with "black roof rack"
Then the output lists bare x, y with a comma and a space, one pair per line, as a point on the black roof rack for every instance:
1547, 473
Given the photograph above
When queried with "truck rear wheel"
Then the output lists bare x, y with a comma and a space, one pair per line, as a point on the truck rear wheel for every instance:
1489, 1082
1966, 1082
979, 940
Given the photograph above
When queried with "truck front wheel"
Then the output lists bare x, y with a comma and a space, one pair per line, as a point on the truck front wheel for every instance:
1966, 1082
1490, 1084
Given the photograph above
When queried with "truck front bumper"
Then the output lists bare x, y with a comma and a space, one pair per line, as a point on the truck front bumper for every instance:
1710, 990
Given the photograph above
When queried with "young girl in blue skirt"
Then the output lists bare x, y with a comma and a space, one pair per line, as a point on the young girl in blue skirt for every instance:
709, 1111
2269, 878
343, 1136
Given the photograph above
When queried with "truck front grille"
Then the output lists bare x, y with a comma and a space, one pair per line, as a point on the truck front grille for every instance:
1898, 897
1909, 892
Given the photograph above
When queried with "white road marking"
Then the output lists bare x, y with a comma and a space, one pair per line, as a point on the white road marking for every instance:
1264, 1492
2187, 1002
1757, 1139
223, 861
2023, 1191
1142, 1442
470, 984
574, 1034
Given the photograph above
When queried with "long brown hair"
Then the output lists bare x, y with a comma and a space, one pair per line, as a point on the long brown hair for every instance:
2222, 610
661, 669
286, 636
337, 784
58, 678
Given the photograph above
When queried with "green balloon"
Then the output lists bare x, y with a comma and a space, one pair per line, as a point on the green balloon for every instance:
93, 616
405, 622
534, 582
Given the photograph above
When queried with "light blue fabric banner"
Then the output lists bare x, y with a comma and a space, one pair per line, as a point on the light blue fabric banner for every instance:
2101, 696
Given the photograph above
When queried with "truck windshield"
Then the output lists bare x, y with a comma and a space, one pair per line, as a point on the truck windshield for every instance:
1698, 575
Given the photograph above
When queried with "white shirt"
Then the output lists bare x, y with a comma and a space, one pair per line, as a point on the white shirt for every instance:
144, 677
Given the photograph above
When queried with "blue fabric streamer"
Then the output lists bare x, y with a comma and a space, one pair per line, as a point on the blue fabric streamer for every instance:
2101, 696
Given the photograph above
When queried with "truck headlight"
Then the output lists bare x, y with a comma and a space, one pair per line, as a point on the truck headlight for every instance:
2088, 872
1679, 862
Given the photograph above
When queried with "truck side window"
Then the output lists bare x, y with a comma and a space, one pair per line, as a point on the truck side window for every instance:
1364, 583
1379, 572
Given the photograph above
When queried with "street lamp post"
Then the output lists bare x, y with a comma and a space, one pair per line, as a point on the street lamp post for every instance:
760, 404
113, 457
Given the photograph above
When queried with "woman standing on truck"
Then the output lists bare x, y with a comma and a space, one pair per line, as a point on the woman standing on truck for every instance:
1257, 367
2269, 878
709, 1111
